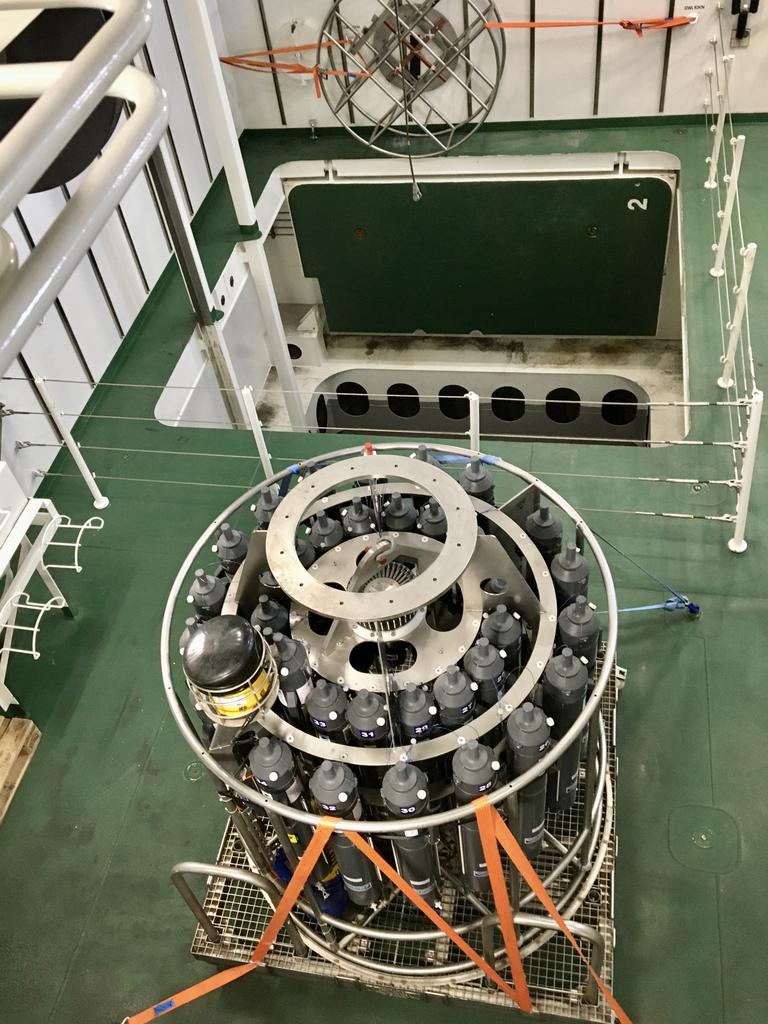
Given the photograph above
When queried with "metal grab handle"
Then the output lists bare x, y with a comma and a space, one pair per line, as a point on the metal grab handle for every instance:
27, 294
270, 890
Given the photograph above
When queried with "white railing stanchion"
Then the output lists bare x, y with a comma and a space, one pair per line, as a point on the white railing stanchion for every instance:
714, 157
258, 430
726, 214
725, 380
737, 542
99, 500
474, 421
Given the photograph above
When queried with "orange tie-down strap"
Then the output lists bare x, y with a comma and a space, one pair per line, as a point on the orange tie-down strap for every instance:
636, 25
492, 832
247, 63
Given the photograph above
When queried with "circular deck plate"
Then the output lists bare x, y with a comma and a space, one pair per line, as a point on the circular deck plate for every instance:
384, 472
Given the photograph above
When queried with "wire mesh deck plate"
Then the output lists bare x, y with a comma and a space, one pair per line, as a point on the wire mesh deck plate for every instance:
556, 976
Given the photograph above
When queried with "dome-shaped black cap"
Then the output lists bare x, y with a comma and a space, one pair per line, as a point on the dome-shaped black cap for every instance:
222, 652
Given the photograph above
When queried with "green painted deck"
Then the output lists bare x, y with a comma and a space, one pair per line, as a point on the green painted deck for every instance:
92, 929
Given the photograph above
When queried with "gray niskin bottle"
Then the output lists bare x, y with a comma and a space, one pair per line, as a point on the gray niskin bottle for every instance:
190, 625
564, 688
475, 771
326, 532
306, 551
455, 696
504, 630
268, 613
579, 628
570, 574
206, 595
358, 518
432, 520
327, 709
528, 739
477, 481
274, 772
416, 713
367, 719
486, 667
399, 514
231, 548
294, 677
546, 532
266, 505
334, 786
405, 792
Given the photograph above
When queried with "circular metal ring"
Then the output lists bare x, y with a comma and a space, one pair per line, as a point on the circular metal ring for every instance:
364, 60
301, 586
286, 811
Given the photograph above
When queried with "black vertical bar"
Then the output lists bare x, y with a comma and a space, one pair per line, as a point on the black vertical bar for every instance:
198, 294
467, 68
598, 57
667, 50
99, 278
158, 210
345, 66
132, 245
532, 62
268, 41
57, 305
192, 107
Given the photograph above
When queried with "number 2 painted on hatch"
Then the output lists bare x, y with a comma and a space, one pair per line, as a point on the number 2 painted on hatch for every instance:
637, 204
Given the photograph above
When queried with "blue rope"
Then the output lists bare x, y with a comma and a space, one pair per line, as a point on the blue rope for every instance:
675, 602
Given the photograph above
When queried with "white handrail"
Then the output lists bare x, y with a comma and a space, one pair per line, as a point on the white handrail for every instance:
37, 139
27, 294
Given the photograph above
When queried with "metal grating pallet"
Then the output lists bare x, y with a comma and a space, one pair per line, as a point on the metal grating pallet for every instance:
556, 976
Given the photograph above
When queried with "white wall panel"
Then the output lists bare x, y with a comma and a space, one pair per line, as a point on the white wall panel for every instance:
165, 66
630, 77
630, 74
565, 60
48, 353
146, 229
81, 297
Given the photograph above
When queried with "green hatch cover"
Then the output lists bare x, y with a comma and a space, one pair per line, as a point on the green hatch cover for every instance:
580, 257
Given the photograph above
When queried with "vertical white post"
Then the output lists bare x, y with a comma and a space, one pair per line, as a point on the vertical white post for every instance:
275, 333
474, 421
258, 431
99, 501
726, 214
714, 157
726, 378
208, 70
737, 542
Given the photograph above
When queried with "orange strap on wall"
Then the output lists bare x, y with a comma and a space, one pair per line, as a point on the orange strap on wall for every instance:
245, 61
494, 830
282, 910
636, 25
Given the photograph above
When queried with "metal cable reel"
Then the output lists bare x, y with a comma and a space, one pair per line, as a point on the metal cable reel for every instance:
419, 663
412, 80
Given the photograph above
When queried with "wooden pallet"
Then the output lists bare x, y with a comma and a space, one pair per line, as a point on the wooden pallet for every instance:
18, 741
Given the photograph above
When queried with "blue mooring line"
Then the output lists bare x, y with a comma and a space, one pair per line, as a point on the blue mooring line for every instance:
676, 602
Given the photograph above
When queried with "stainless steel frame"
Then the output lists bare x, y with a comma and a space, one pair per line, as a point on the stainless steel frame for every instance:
251, 796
